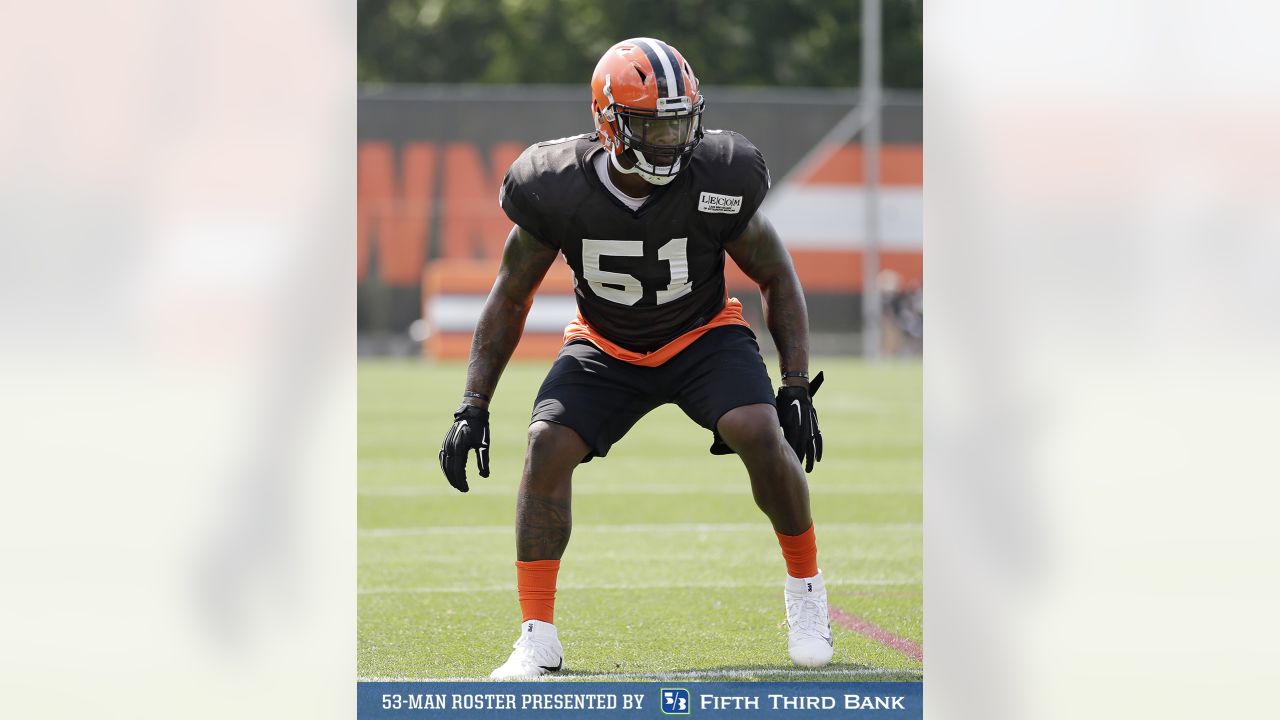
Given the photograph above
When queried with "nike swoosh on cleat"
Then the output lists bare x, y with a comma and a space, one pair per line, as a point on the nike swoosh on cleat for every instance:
553, 669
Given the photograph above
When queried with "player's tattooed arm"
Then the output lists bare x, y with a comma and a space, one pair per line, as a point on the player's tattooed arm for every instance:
525, 261
761, 255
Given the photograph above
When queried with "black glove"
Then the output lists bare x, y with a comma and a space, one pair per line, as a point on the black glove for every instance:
470, 431
800, 421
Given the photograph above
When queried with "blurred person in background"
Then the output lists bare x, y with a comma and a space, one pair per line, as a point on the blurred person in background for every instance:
643, 210
902, 326
908, 312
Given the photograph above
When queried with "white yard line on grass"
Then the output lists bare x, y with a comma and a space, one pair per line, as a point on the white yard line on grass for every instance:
850, 582
430, 461
630, 528
682, 675
639, 489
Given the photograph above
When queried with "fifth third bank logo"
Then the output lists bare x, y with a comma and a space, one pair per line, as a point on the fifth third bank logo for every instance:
675, 701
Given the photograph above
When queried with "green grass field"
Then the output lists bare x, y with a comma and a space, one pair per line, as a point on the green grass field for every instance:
672, 572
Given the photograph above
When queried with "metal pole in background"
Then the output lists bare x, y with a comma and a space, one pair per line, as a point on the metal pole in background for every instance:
871, 177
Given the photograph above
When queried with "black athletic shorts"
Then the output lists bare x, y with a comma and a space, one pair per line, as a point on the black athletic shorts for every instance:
601, 397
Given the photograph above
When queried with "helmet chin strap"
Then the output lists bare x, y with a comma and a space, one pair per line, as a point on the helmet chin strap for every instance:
648, 175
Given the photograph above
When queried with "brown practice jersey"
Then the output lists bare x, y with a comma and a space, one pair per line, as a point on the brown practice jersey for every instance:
645, 277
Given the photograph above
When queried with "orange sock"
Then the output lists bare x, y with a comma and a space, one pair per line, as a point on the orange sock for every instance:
800, 552
536, 585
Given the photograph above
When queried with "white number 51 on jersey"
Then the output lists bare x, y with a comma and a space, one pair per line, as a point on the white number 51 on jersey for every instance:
630, 291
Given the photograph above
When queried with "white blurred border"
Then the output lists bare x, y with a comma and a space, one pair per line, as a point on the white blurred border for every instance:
176, 264
176, 269
1102, 216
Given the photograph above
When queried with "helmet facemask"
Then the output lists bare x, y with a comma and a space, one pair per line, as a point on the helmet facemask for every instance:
660, 141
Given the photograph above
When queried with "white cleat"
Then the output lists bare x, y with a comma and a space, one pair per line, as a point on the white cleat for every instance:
809, 626
536, 653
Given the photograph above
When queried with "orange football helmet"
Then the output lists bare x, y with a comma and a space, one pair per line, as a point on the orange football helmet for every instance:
645, 100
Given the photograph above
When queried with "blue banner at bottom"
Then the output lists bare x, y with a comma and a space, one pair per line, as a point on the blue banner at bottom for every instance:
660, 699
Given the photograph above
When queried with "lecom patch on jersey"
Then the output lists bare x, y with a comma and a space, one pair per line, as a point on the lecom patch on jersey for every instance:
713, 203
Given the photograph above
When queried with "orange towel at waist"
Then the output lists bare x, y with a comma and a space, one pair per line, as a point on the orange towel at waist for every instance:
578, 329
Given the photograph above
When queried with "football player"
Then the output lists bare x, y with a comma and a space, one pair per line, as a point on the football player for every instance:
644, 210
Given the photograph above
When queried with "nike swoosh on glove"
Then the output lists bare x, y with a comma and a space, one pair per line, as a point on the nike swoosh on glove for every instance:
470, 431
800, 421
